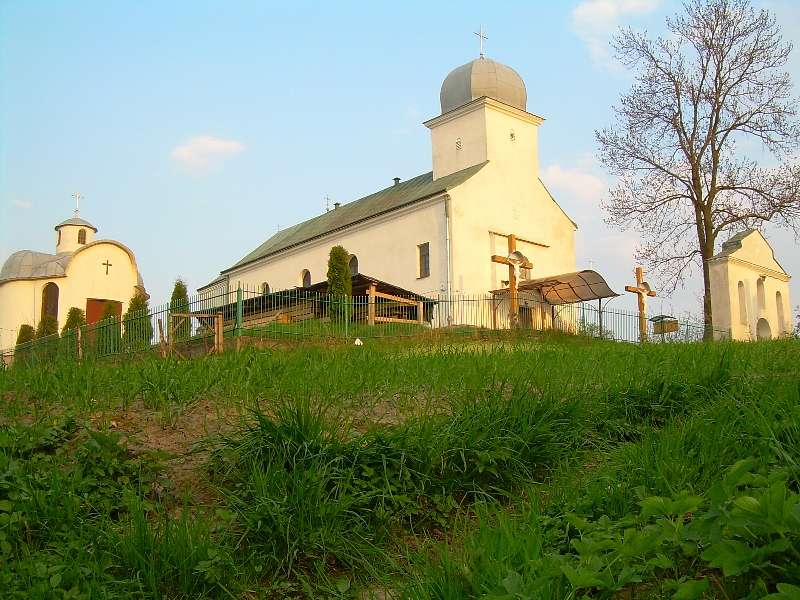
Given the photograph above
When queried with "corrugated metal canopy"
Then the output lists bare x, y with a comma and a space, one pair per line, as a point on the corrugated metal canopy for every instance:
568, 288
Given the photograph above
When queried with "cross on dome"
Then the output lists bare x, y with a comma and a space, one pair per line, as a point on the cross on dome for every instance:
482, 37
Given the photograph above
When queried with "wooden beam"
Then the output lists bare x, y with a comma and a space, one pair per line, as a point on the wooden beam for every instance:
395, 298
505, 235
393, 320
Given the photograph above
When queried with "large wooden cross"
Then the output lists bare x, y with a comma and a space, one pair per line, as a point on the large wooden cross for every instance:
642, 291
513, 268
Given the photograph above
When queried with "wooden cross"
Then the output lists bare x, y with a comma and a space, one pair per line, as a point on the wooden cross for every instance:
642, 291
106, 265
482, 37
513, 267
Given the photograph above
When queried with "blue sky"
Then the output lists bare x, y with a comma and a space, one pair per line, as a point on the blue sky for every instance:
195, 129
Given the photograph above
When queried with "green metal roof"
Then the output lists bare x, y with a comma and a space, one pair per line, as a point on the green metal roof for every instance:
389, 199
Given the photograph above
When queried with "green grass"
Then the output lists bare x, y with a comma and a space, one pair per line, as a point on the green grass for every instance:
548, 468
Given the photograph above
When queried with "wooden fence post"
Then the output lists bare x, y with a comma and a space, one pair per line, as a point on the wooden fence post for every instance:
371, 305
80, 343
161, 341
420, 312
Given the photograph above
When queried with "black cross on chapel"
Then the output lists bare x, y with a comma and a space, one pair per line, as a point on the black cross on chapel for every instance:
106, 265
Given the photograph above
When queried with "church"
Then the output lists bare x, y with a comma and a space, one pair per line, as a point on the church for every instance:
436, 233
83, 272
749, 290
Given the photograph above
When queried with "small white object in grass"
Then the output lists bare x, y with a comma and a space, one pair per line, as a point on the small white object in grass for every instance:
358, 342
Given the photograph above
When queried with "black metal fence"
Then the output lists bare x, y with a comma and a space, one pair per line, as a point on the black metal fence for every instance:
295, 316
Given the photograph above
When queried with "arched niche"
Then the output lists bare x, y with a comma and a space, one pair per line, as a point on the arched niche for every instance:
763, 330
353, 264
50, 300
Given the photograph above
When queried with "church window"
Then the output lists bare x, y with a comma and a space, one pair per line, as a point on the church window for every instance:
265, 288
458, 143
742, 304
779, 307
762, 299
82, 236
424, 256
50, 300
353, 264
59, 237
305, 278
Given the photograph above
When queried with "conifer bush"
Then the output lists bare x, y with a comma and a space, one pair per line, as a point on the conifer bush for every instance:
340, 285
179, 303
76, 319
107, 338
138, 329
47, 326
26, 334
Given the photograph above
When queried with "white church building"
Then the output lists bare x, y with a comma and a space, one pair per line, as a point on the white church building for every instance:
436, 233
83, 272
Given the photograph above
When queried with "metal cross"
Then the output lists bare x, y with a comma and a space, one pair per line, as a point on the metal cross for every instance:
77, 196
106, 265
481, 36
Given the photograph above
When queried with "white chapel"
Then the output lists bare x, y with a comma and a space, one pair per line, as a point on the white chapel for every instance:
436, 233
83, 272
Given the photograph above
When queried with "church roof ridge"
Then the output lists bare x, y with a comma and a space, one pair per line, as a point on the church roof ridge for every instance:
78, 221
383, 201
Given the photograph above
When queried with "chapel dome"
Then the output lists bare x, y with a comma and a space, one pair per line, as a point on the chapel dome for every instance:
76, 221
483, 77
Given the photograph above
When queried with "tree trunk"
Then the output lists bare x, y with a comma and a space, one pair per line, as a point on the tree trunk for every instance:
708, 321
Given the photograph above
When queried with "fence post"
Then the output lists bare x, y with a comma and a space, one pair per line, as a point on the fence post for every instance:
600, 316
80, 346
371, 305
237, 331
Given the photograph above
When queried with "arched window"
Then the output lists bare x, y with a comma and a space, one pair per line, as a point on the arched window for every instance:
762, 299
82, 236
353, 265
305, 278
779, 307
50, 300
265, 288
59, 238
742, 304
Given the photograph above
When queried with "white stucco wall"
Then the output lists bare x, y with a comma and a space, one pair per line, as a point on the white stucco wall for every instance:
67, 237
21, 300
754, 261
386, 248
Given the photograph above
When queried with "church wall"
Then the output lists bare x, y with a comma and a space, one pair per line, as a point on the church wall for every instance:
21, 304
468, 129
386, 248
68, 242
505, 200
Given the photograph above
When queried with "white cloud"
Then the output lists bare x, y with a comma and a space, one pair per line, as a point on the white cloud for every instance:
582, 182
203, 152
24, 204
596, 20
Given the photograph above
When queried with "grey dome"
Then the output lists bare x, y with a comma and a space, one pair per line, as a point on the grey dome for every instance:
27, 264
76, 221
483, 77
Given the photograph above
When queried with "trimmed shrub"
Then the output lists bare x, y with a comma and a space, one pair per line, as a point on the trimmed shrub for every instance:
48, 326
76, 319
107, 338
340, 286
179, 303
138, 329
26, 334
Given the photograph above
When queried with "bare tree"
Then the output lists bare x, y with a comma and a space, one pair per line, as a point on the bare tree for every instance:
702, 143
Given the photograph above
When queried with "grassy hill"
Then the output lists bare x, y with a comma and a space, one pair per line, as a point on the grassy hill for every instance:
552, 469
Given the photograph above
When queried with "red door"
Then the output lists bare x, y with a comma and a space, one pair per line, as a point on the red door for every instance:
95, 308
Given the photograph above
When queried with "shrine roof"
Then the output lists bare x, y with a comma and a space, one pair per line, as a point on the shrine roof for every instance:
567, 288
